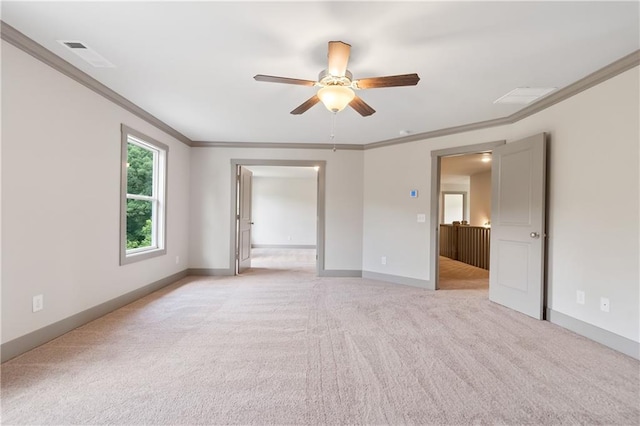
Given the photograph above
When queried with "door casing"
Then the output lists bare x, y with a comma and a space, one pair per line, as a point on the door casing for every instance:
436, 157
320, 227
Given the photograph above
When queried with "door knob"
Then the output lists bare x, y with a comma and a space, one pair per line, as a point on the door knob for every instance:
534, 235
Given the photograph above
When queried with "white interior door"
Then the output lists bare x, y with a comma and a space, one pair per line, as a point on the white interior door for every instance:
244, 219
518, 225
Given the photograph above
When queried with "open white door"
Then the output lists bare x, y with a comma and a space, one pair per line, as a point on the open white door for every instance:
518, 179
244, 220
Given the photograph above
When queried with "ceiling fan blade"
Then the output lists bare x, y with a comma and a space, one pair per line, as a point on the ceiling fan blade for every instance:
361, 107
306, 105
338, 58
285, 80
390, 81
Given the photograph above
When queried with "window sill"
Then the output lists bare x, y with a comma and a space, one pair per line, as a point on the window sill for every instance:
128, 258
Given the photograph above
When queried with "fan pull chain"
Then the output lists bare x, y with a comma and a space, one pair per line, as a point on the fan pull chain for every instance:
333, 129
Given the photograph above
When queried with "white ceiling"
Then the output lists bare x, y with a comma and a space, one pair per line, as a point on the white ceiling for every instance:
191, 64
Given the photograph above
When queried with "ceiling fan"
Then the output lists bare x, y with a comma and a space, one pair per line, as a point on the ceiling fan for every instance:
337, 84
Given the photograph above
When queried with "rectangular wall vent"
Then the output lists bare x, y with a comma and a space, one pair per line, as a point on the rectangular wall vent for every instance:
86, 53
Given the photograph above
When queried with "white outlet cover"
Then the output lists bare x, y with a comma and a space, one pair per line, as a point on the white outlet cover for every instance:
422, 217
580, 297
604, 304
38, 303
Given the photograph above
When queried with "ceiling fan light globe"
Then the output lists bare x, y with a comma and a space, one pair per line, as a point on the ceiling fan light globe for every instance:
336, 98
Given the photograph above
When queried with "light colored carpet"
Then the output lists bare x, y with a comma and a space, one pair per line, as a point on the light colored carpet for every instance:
284, 259
457, 275
289, 348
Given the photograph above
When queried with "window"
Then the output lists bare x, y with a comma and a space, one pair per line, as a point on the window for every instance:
143, 193
454, 206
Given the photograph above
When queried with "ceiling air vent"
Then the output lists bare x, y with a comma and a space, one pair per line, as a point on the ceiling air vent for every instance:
74, 45
86, 53
524, 95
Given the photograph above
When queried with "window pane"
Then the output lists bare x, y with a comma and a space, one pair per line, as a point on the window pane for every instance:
139, 224
453, 208
143, 188
139, 170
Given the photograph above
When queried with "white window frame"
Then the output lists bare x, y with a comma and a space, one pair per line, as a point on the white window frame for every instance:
158, 197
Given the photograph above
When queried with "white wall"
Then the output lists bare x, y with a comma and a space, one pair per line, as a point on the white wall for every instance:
210, 201
61, 197
284, 211
480, 198
594, 147
390, 214
458, 187
594, 220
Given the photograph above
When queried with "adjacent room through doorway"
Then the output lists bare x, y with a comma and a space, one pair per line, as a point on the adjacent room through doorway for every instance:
465, 222
280, 204
516, 234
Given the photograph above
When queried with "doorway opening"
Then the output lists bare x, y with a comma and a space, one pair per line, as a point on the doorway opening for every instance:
465, 221
461, 217
517, 278
278, 216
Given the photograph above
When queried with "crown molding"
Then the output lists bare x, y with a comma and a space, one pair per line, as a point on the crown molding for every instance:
440, 132
342, 147
21, 41
618, 67
24, 43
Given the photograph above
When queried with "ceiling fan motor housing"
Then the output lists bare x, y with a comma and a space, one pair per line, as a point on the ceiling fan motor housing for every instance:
326, 79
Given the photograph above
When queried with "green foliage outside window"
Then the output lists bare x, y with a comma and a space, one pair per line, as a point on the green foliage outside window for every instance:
139, 182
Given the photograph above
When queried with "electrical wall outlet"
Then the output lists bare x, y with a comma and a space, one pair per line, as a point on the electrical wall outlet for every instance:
604, 304
177, 259
38, 303
580, 297
383, 260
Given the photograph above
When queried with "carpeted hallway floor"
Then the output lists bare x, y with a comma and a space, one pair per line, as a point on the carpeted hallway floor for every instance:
280, 346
